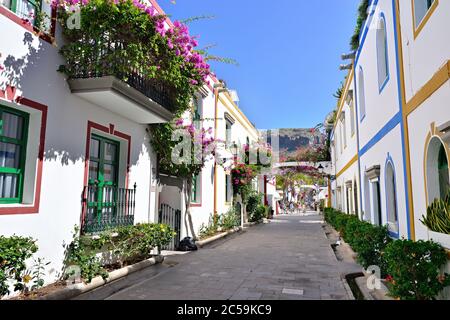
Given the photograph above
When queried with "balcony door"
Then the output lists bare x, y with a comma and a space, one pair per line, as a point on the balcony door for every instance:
103, 183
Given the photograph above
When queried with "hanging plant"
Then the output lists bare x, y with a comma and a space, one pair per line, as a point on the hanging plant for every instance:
127, 37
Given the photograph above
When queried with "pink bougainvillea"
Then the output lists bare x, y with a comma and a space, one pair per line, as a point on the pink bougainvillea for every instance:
177, 36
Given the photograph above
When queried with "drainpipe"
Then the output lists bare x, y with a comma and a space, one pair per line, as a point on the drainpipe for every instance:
218, 87
216, 99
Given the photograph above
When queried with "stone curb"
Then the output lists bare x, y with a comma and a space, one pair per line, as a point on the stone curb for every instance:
222, 235
219, 236
376, 294
77, 289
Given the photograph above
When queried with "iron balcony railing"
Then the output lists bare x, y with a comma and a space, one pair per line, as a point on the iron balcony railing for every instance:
107, 207
107, 57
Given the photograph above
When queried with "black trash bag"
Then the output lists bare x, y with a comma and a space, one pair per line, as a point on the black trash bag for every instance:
187, 244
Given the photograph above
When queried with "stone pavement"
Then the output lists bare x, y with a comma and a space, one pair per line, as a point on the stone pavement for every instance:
288, 259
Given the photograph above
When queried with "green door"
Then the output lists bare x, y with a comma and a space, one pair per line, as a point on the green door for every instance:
103, 169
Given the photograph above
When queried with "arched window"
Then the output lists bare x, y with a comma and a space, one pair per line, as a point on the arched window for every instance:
437, 171
361, 95
391, 196
382, 52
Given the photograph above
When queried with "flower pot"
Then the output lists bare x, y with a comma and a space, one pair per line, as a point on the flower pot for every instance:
441, 238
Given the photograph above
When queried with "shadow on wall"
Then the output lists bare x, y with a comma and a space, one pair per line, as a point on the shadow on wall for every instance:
40, 63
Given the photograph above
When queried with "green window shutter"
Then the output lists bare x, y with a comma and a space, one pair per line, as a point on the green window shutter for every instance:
13, 145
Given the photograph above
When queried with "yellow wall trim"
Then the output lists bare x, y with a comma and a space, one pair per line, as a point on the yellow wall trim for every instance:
434, 133
437, 81
410, 204
246, 125
344, 94
425, 18
348, 165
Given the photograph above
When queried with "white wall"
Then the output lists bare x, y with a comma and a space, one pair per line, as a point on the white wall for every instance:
387, 148
65, 145
434, 110
425, 54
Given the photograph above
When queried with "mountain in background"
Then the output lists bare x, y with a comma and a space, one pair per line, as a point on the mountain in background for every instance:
292, 140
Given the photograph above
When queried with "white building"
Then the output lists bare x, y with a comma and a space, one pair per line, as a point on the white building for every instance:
402, 88
73, 152
424, 55
77, 152
344, 153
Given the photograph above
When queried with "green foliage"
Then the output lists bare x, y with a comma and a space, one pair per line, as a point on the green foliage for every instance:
254, 199
81, 254
128, 243
367, 240
220, 223
136, 45
230, 220
260, 213
34, 276
210, 229
362, 16
414, 269
14, 251
438, 215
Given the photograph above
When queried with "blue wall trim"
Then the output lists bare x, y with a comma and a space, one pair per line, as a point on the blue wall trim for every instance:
388, 127
366, 30
400, 102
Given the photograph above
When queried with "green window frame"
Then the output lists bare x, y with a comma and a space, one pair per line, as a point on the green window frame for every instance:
21, 144
16, 8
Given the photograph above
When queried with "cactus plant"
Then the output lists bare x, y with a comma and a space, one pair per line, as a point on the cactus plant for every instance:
438, 215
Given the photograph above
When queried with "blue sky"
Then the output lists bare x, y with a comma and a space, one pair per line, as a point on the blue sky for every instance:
288, 53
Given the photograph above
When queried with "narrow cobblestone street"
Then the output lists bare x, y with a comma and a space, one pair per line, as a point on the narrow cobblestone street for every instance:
289, 258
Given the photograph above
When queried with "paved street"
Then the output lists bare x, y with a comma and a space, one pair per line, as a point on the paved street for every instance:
290, 258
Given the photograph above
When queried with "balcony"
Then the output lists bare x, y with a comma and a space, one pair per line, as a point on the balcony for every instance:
107, 207
102, 75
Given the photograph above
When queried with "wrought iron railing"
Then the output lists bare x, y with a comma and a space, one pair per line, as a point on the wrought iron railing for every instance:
171, 217
107, 207
106, 57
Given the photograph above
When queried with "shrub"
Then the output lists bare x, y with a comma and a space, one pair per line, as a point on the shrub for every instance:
260, 213
14, 251
414, 269
128, 243
230, 220
254, 199
210, 229
81, 254
367, 240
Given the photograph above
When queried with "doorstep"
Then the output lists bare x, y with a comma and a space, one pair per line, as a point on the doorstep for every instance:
80, 288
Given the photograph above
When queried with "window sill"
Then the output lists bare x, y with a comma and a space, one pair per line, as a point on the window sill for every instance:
15, 18
16, 208
195, 205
